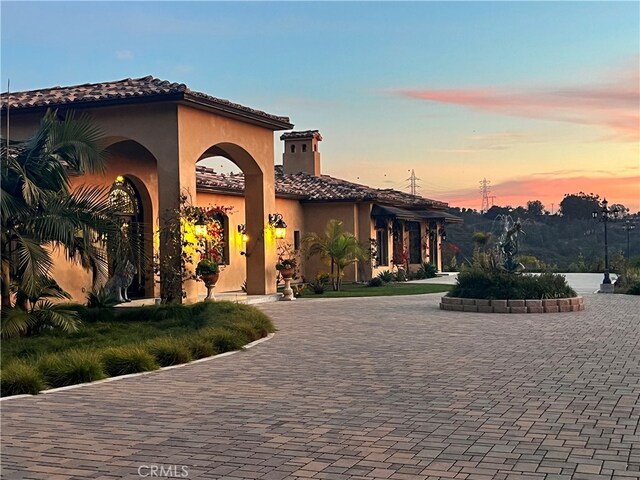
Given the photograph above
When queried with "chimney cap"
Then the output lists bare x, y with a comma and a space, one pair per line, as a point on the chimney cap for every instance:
301, 135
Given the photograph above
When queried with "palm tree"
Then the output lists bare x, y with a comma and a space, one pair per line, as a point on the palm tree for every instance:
340, 249
41, 213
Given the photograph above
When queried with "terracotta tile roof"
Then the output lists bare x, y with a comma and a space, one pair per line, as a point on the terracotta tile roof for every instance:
126, 89
301, 134
311, 188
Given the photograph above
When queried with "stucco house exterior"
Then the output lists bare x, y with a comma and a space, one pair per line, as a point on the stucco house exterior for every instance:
158, 131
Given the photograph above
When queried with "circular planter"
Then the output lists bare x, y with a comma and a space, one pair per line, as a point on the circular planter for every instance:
551, 305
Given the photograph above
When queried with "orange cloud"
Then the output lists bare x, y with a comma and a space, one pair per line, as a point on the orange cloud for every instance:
550, 189
613, 104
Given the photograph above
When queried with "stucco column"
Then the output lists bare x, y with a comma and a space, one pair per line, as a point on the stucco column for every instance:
261, 248
176, 176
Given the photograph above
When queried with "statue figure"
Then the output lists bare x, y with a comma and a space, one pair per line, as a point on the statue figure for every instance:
509, 247
121, 281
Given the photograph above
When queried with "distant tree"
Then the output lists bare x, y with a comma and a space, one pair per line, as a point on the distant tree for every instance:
496, 210
579, 205
535, 207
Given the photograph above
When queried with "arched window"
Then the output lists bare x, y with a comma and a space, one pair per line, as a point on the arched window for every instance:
123, 198
218, 236
293, 149
304, 147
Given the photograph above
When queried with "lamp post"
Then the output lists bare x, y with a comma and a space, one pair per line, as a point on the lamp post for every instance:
628, 226
606, 215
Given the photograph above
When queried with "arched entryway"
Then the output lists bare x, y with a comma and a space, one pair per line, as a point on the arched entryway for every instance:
251, 260
131, 201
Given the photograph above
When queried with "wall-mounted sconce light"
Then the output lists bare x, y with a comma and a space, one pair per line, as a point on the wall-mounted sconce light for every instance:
242, 230
277, 223
120, 179
443, 235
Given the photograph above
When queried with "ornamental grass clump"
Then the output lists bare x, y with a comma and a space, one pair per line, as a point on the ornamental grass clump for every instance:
71, 367
224, 340
127, 359
169, 351
19, 378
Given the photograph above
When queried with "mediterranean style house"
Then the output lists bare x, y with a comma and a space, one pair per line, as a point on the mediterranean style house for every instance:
158, 131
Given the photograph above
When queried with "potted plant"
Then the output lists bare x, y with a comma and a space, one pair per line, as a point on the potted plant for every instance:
286, 267
208, 271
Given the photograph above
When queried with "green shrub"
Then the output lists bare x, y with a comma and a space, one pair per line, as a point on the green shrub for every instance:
476, 283
428, 270
386, 276
71, 367
634, 289
375, 282
169, 351
127, 359
19, 378
101, 298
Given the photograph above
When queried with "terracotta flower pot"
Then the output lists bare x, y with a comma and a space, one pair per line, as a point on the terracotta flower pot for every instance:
287, 272
210, 278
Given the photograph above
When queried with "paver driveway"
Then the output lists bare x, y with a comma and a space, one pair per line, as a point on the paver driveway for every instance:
363, 388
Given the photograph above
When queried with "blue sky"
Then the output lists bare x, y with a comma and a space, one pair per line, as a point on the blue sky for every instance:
457, 91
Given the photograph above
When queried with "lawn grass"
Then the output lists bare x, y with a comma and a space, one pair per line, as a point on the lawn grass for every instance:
129, 339
388, 289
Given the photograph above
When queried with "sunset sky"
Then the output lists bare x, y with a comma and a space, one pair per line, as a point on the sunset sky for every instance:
541, 98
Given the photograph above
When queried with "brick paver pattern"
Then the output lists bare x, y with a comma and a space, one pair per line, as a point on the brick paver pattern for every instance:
363, 388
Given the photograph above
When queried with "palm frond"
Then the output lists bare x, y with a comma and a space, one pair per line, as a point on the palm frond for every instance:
79, 142
34, 264
15, 322
56, 315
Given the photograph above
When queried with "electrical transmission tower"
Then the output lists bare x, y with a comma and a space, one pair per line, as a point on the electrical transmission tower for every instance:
485, 189
413, 185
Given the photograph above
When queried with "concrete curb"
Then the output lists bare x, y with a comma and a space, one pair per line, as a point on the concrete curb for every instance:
140, 374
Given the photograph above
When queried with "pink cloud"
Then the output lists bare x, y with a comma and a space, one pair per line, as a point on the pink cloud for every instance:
550, 189
613, 104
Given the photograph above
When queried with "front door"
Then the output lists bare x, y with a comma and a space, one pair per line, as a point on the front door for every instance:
129, 246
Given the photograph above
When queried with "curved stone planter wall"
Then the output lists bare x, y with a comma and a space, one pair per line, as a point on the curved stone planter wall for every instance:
555, 305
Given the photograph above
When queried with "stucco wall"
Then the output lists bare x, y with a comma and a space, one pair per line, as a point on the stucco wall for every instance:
316, 216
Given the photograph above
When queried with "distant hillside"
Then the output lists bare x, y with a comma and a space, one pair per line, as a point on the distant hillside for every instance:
566, 243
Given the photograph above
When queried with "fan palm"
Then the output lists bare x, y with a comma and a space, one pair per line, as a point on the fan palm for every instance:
40, 213
339, 248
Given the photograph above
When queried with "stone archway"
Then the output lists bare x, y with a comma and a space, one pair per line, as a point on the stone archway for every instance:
259, 196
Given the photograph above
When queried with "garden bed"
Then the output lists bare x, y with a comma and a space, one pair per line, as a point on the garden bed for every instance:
114, 342
551, 305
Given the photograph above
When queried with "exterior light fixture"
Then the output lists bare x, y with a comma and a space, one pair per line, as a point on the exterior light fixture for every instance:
200, 229
242, 230
606, 215
120, 179
443, 235
277, 223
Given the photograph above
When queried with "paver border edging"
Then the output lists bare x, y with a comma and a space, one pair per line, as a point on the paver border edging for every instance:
547, 305
139, 374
